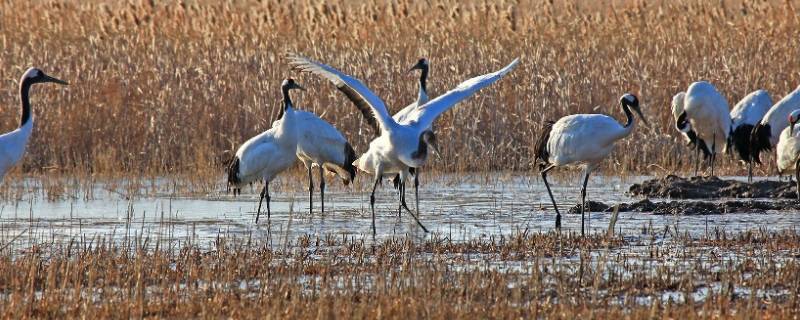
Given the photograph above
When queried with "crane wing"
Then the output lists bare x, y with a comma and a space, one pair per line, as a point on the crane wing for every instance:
408, 113
431, 110
372, 107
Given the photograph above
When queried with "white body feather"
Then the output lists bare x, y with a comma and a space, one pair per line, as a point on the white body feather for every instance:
709, 114
320, 144
13, 145
266, 155
788, 149
777, 116
584, 139
751, 109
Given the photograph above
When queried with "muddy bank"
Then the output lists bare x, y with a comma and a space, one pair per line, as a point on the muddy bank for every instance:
675, 187
695, 207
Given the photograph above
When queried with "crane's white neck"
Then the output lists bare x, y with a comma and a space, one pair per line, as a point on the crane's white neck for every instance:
422, 97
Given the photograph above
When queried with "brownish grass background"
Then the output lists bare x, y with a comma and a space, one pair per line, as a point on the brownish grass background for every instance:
175, 87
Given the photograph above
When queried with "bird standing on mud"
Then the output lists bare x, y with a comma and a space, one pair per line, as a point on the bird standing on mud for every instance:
14, 143
268, 154
582, 140
767, 132
745, 115
708, 113
688, 134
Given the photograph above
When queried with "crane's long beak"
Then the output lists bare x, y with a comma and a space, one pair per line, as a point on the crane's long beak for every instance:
417, 66
639, 112
51, 79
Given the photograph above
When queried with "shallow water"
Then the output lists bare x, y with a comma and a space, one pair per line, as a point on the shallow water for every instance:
459, 210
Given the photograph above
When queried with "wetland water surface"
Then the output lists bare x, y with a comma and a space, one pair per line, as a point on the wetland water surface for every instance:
470, 209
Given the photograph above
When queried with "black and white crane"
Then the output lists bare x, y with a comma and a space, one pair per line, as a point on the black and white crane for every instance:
14, 143
582, 140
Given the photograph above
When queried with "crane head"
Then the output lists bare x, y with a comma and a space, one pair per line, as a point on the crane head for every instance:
422, 64
793, 118
289, 84
35, 75
632, 102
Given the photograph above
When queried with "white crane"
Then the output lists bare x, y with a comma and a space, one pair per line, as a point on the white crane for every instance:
707, 111
582, 140
688, 134
13, 144
406, 116
788, 149
399, 145
269, 153
766, 133
745, 115
320, 144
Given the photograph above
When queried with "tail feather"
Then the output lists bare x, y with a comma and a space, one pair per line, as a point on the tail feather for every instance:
760, 141
542, 154
740, 140
350, 157
233, 174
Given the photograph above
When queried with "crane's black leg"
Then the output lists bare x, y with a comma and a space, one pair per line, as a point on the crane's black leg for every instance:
583, 200
416, 189
401, 186
713, 152
404, 205
322, 188
310, 191
750, 170
797, 176
264, 192
696, 158
372, 202
547, 185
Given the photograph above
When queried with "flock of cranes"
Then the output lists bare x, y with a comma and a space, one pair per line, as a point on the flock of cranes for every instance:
404, 140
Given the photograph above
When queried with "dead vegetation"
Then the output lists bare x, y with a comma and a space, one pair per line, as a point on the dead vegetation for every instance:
172, 88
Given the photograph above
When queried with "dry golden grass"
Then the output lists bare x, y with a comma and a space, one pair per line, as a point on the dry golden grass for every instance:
334, 276
173, 88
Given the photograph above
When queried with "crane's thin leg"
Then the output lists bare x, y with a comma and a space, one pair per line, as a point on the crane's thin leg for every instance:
583, 199
416, 189
264, 194
696, 158
797, 176
558, 214
750, 170
713, 151
310, 191
322, 188
404, 205
401, 184
372, 202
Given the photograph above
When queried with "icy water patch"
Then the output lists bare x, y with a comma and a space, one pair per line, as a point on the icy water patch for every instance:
462, 210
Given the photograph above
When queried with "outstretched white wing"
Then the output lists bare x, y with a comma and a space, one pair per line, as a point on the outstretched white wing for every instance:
431, 110
367, 102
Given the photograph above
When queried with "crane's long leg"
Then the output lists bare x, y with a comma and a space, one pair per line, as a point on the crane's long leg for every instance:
547, 185
750, 170
404, 205
372, 201
797, 176
713, 152
583, 199
264, 193
696, 158
322, 188
401, 194
416, 189
310, 191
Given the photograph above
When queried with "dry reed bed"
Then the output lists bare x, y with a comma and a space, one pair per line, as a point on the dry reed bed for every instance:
524, 275
174, 87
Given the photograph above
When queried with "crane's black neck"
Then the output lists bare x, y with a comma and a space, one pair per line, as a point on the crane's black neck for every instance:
287, 101
25, 103
422, 149
423, 79
628, 113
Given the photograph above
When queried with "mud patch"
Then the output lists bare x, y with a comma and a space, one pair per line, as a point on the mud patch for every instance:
695, 207
675, 187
